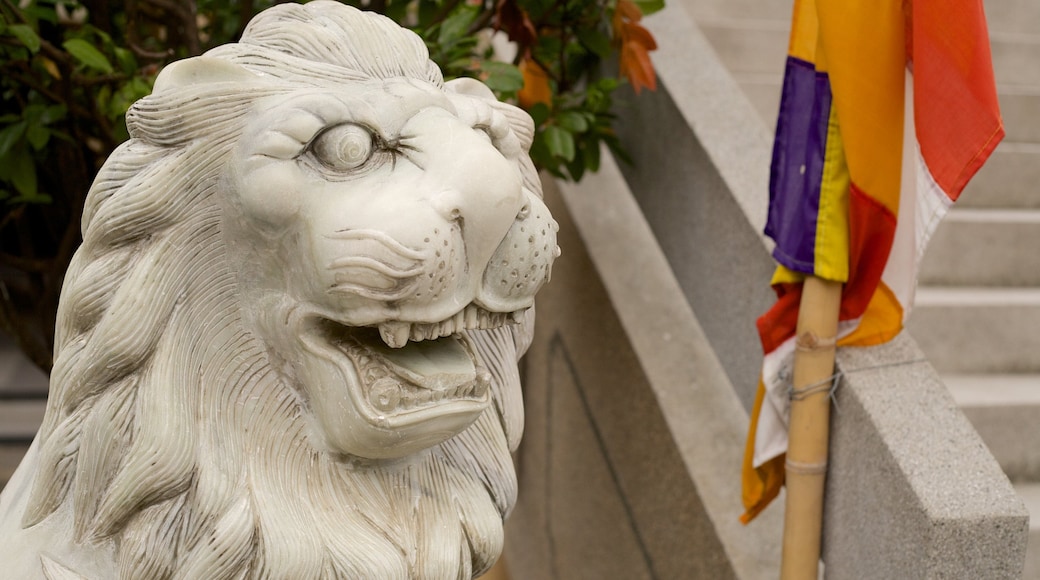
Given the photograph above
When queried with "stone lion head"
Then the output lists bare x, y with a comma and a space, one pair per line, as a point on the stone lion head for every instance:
287, 347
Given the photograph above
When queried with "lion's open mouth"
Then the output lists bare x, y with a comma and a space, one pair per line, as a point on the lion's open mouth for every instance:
408, 367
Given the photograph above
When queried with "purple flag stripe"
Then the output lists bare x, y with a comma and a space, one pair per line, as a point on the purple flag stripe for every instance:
797, 170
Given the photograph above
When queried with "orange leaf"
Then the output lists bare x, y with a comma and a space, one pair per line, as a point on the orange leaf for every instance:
636, 67
625, 12
536, 85
636, 33
51, 68
628, 10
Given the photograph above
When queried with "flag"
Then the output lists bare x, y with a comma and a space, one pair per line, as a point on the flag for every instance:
888, 109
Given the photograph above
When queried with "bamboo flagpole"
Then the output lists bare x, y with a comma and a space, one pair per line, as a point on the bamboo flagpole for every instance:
859, 137
808, 428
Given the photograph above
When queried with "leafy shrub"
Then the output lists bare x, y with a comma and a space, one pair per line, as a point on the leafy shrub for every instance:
70, 69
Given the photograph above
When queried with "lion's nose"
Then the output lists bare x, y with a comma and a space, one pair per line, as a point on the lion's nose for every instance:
449, 205
478, 191
522, 263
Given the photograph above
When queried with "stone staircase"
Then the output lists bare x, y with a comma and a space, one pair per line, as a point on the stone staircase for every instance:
23, 397
977, 314
978, 308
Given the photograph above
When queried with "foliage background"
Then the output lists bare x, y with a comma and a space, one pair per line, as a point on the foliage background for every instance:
69, 69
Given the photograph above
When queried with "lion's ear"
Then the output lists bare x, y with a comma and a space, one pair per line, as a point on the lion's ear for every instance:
200, 70
469, 87
519, 120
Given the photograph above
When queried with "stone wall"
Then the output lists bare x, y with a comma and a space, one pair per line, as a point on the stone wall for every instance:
645, 364
633, 439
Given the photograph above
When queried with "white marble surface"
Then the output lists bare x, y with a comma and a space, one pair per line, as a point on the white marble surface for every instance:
287, 347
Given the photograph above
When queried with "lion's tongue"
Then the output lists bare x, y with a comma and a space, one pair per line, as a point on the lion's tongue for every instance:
431, 364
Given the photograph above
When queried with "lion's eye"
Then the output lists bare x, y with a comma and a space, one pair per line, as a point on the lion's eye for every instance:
344, 147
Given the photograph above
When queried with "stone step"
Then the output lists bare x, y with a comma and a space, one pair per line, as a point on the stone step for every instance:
984, 247
763, 90
1020, 107
1002, 16
978, 330
1008, 179
1013, 16
19, 420
23, 397
1030, 494
10, 456
1004, 410
1015, 57
754, 51
749, 45
17, 374
727, 10
759, 45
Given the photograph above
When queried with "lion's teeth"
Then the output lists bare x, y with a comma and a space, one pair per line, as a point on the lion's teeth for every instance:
407, 400
395, 334
418, 333
385, 394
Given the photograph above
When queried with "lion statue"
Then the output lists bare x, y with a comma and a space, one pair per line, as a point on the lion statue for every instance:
288, 345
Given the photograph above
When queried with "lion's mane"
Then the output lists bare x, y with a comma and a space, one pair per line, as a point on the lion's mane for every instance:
169, 433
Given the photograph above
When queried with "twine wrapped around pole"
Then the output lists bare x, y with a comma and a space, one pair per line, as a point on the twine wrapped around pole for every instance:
808, 429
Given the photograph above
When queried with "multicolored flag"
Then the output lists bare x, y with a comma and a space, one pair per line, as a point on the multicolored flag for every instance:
888, 109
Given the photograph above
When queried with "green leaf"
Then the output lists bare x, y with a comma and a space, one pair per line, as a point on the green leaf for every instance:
38, 136
607, 84
86, 54
649, 6
455, 25
592, 155
426, 12
45, 13
539, 113
34, 198
23, 172
101, 33
10, 135
572, 121
502, 76
595, 41
104, 97
397, 10
458, 64
26, 35
125, 58
127, 95
53, 113
576, 168
119, 131
142, 86
560, 142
